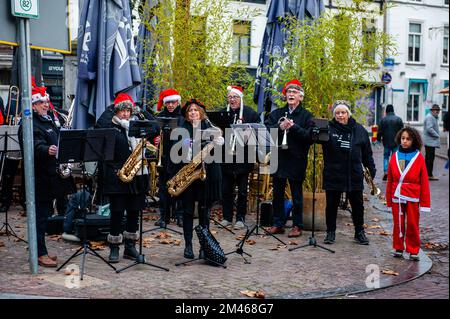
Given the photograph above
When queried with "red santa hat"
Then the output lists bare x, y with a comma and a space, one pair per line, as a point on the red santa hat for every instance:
169, 95
294, 84
38, 94
123, 101
240, 92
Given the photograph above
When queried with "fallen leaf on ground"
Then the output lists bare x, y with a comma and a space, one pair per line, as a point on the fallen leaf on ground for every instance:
365, 225
385, 233
435, 246
177, 242
19, 226
376, 220
389, 272
250, 242
253, 294
98, 245
54, 237
72, 271
166, 241
375, 227
370, 233
240, 237
293, 242
2, 244
163, 235
278, 247
214, 232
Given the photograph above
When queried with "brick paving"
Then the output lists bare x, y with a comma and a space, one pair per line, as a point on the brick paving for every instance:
309, 272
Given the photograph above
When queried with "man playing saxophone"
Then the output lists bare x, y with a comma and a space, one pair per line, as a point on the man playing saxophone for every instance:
204, 191
295, 131
123, 196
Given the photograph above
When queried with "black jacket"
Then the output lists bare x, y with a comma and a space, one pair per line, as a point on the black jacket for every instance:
48, 183
344, 154
292, 162
213, 182
388, 129
111, 184
249, 116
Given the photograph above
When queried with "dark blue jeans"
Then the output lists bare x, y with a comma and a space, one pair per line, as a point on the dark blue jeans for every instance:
279, 214
388, 151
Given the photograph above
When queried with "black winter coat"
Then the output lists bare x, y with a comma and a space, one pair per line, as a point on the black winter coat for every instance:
293, 161
388, 129
249, 116
213, 182
48, 184
110, 182
344, 154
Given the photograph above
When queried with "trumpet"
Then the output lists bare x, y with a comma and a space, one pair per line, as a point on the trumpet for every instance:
160, 149
374, 190
233, 137
13, 98
284, 143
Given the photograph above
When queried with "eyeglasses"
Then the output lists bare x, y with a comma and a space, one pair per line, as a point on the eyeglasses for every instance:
233, 97
293, 92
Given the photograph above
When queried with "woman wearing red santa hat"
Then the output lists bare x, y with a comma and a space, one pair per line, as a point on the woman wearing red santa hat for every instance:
129, 197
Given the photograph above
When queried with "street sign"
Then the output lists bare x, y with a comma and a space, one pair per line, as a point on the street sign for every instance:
389, 62
386, 78
25, 8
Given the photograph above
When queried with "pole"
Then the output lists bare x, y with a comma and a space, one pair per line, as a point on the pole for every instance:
28, 151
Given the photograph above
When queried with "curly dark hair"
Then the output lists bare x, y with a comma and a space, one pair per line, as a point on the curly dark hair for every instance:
413, 134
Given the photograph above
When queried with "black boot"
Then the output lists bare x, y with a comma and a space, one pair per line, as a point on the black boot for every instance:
180, 221
201, 254
330, 238
188, 252
130, 251
113, 253
114, 242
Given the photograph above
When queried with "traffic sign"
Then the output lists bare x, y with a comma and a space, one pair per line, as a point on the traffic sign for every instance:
386, 78
389, 62
25, 8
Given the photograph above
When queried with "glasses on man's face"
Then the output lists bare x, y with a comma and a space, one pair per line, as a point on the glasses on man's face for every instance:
233, 97
293, 92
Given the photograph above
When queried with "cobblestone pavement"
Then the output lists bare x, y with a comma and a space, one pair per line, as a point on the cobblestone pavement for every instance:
309, 272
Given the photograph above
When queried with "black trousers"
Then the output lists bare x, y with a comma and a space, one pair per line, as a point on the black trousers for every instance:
10, 169
429, 159
356, 202
279, 214
229, 181
168, 206
194, 193
118, 204
42, 214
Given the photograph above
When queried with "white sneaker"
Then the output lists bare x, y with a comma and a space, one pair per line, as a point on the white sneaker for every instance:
239, 225
225, 223
70, 237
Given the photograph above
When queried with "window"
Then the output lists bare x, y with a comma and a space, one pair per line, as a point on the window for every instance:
414, 42
368, 32
446, 2
445, 46
241, 42
414, 99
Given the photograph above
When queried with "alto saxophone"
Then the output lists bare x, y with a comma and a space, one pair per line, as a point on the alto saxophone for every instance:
132, 165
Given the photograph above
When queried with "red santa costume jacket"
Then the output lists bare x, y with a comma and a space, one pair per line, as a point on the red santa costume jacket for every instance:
407, 192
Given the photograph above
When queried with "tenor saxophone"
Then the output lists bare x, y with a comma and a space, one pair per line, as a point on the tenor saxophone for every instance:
132, 165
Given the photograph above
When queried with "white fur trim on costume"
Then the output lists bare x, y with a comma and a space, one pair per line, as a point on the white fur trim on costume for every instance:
172, 98
39, 98
236, 91
425, 209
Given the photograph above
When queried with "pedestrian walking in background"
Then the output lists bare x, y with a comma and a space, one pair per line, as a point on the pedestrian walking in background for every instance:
387, 130
431, 139
407, 192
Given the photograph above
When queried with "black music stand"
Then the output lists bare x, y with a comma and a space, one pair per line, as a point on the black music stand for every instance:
166, 125
262, 137
320, 137
143, 129
240, 246
9, 142
85, 146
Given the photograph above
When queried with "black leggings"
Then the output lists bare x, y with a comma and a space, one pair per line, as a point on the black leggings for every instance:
356, 201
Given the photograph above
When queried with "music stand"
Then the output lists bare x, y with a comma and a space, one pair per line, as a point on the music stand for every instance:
221, 119
321, 137
166, 125
257, 135
143, 129
9, 142
240, 246
82, 146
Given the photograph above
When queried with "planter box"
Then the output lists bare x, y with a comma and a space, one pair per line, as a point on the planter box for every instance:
319, 219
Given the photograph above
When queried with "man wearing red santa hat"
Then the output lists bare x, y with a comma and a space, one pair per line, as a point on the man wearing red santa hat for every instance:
292, 161
170, 99
237, 173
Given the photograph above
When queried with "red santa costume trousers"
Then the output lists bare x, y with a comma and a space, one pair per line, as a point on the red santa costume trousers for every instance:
410, 235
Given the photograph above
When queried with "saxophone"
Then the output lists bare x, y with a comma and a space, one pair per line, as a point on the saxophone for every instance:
132, 165
189, 173
374, 190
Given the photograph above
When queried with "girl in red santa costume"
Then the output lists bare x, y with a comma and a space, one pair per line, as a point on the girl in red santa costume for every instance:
407, 192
